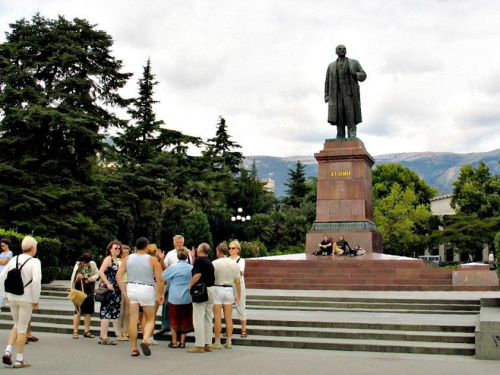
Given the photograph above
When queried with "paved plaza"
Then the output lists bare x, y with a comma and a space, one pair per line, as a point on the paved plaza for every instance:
57, 353
60, 354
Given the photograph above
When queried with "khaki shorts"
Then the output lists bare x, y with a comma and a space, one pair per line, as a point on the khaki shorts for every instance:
21, 314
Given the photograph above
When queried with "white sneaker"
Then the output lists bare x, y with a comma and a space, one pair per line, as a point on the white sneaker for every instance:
228, 345
152, 342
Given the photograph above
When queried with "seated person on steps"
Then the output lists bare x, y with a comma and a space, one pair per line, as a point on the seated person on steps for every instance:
325, 247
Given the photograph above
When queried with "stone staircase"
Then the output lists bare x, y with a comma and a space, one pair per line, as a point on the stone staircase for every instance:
375, 272
379, 323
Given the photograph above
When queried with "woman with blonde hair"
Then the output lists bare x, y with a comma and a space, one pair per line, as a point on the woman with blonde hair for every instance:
110, 310
235, 254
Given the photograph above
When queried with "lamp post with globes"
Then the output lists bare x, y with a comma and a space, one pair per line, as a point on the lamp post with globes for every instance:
242, 218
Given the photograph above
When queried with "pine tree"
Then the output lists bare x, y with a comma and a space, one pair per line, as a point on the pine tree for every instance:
297, 186
143, 138
220, 150
152, 160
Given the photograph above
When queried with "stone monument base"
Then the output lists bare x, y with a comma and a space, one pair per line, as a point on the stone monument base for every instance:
368, 238
344, 204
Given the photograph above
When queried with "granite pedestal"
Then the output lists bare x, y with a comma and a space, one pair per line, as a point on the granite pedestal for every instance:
344, 199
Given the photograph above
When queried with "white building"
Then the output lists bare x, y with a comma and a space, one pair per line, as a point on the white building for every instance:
441, 206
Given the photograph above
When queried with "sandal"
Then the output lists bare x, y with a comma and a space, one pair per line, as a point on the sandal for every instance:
106, 341
88, 335
172, 345
75, 335
243, 334
145, 349
182, 345
7, 358
21, 364
122, 338
32, 339
135, 353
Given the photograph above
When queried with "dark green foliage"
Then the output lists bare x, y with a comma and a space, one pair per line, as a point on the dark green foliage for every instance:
186, 219
476, 197
249, 250
56, 79
386, 175
297, 186
48, 250
150, 162
402, 221
476, 192
468, 233
60, 179
220, 151
402, 209
497, 243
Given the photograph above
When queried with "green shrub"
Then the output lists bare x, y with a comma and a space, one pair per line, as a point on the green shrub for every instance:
262, 248
47, 251
64, 273
249, 250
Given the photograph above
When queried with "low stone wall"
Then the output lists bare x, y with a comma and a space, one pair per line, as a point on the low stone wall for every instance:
474, 274
487, 335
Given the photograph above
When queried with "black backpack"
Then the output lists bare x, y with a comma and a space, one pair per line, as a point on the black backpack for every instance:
14, 282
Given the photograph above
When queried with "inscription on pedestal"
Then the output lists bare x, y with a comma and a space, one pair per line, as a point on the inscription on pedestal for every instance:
340, 174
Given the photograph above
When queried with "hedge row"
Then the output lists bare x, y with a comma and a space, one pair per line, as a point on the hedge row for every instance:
47, 251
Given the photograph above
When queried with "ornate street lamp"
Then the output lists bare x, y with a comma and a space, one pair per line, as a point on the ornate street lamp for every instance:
240, 216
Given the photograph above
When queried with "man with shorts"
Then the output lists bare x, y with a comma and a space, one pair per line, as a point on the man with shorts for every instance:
227, 274
21, 306
142, 271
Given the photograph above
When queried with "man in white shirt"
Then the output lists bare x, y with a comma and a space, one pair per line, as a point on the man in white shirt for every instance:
227, 274
21, 306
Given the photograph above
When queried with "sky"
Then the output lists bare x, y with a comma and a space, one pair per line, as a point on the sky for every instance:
433, 67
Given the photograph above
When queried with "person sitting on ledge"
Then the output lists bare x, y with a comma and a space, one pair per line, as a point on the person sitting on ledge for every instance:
325, 247
358, 250
344, 245
336, 250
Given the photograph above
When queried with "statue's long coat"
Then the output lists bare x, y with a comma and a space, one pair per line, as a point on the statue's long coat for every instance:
353, 97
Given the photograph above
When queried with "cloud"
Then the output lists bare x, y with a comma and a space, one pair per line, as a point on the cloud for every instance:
431, 65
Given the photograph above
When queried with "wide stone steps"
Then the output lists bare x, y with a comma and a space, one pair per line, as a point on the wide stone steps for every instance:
360, 305
344, 273
376, 324
415, 347
364, 334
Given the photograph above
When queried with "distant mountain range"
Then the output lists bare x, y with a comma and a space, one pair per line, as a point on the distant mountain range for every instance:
438, 169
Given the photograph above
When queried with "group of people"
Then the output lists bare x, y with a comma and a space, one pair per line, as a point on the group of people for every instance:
341, 247
135, 285
140, 282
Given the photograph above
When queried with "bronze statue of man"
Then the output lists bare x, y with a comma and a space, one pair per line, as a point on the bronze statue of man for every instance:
342, 93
